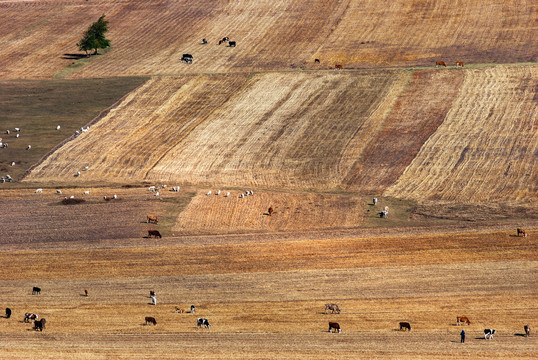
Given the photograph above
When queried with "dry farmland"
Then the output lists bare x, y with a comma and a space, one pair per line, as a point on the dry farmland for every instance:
450, 153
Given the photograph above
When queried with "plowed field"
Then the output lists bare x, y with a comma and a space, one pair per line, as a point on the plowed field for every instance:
39, 38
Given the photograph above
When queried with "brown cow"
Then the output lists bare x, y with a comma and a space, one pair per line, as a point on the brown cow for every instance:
527, 329
179, 310
521, 232
405, 326
440, 63
462, 320
86, 292
335, 326
333, 307
39, 324
459, 63
152, 219
270, 211
155, 233
151, 320
339, 67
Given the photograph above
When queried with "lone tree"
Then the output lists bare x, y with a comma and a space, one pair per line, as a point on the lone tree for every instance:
94, 38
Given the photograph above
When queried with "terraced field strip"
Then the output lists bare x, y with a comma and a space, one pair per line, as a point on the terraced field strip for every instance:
149, 37
485, 150
135, 135
218, 214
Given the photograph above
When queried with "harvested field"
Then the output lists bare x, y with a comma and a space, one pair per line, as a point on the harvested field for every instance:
269, 297
150, 37
484, 150
374, 132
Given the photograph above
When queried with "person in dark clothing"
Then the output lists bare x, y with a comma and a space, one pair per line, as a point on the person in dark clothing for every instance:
462, 334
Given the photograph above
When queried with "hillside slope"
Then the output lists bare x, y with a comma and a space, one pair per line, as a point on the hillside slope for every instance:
366, 132
39, 38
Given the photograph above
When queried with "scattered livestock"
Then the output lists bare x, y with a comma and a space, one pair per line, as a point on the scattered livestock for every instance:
204, 41
152, 219
7, 132
179, 310
374, 201
17, 130
155, 233
29, 317
17, 136
227, 194
231, 43
527, 329
440, 63
333, 307
218, 192
28, 147
462, 320
203, 322
521, 232
187, 58
153, 300
208, 193
316, 61
8, 313
270, 211
488, 333
85, 168
459, 64
335, 326
192, 309
405, 326
87, 192
59, 192
13, 163
151, 320
36, 290
86, 292
77, 174
39, 191
58, 127
224, 39
39, 324
242, 196
175, 188
339, 67
152, 188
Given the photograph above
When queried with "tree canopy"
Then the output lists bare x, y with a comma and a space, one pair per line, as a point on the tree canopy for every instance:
94, 38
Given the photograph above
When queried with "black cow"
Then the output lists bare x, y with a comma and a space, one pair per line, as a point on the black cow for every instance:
8, 313
151, 320
155, 233
204, 322
489, 332
204, 41
36, 290
231, 44
187, 58
39, 324
405, 326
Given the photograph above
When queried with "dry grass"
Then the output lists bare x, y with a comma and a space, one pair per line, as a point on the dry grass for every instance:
150, 37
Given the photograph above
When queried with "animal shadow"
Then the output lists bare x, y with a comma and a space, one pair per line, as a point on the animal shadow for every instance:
522, 335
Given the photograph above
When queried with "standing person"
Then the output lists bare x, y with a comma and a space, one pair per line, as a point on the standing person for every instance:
462, 334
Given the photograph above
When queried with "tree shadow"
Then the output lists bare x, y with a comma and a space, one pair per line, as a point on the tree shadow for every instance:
74, 56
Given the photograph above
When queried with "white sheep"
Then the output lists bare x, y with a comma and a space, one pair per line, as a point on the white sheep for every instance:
39, 191
87, 192
227, 194
218, 192
28, 147
209, 193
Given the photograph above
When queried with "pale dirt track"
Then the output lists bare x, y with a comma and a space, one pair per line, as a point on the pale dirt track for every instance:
150, 37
